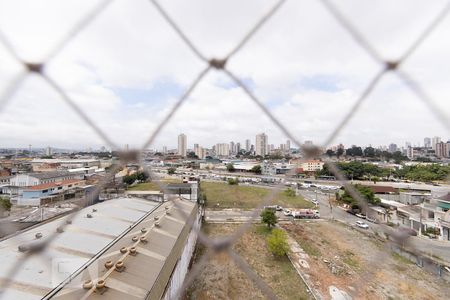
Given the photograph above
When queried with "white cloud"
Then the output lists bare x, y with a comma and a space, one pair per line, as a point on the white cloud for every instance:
302, 64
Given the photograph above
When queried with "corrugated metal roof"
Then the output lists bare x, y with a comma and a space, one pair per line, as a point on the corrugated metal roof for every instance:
157, 241
80, 241
49, 175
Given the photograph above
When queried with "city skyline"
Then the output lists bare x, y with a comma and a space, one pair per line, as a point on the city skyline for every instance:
129, 103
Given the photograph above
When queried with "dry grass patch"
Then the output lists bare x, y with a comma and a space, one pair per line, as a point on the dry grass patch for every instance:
223, 195
222, 279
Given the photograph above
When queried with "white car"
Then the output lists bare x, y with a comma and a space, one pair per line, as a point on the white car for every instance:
287, 212
315, 201
361, 216
361, 224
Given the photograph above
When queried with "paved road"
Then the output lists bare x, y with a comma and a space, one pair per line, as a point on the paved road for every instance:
236, 215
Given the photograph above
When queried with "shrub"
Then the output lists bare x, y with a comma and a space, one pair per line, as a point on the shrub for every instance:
232, 181
5, 204
277, 243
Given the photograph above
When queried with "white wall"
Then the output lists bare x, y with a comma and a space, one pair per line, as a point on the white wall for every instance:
178, 275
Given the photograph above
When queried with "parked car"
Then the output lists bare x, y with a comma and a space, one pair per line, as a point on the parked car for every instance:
361, 224
373, 220
315, 201
362, 216
274, 207
287, 212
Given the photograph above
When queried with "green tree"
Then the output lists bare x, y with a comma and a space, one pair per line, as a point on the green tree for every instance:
256, 169
171, 171
230, 167
192, 155
365, 192
330, 153
129, 179
141, 176
369, 152
268, 217
5, 204
277, 242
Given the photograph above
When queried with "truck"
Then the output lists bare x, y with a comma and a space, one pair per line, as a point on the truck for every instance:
306, 214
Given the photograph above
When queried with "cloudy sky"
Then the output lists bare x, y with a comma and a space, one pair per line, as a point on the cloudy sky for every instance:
128, 68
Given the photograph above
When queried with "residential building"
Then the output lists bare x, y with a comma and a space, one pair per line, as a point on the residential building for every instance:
410, 152
434, 141
436, 213
201, 153
308, 166
427, 142
232, 148
48, 151
442, 149
222, 149
288, 145
271, 168
261, 145
247, 145
196, 148
182, 145
392, 147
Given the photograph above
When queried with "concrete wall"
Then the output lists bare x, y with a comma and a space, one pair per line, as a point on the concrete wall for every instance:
425, 263
181, 269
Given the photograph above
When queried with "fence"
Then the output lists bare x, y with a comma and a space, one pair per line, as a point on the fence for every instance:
386, 66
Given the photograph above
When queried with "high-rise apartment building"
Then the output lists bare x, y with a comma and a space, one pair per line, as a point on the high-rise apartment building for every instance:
222, 149
232, 148
247, 145
288, 145
48, 151
427, 142
182, 145
238, 148
442, 149
196, 149
392, 148
434, 141
201, 152
261, 144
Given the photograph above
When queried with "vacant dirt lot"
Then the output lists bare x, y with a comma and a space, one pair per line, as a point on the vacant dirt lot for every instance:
222, 195
222, 279
361, 266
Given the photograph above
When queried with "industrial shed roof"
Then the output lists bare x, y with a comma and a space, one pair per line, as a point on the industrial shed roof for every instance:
80, 252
